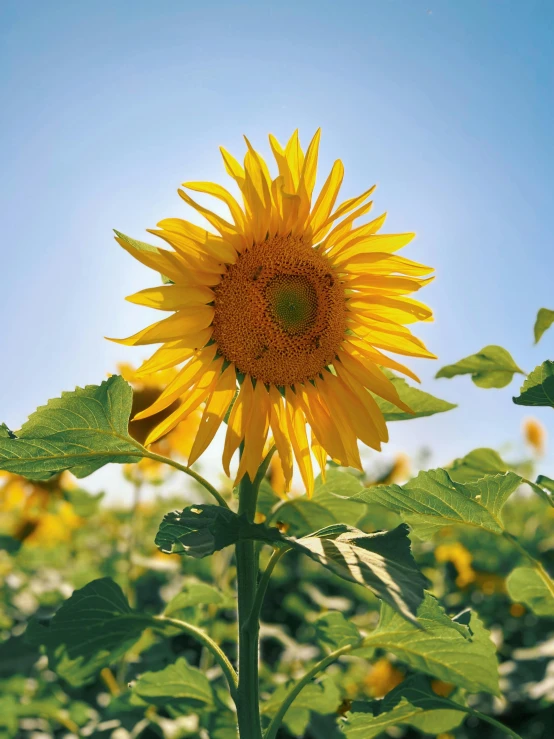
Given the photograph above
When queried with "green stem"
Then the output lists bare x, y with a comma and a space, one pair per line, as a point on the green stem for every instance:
493, 722
248, 701
206, 641
293, 693
535, 563
188, 471
254, 616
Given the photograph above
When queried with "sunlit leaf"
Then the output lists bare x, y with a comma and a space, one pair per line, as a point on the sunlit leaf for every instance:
477, 464
381, 561
493, 366
444, 648
201, 530
421, 403
412, 703
526, 586
433, 499
538, 388
545, 319
81, 431
329, 504
177, 686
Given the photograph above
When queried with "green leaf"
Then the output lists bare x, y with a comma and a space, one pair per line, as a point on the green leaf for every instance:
335, 631
329, 504
201, 530
196, 594
9, 544
433, 500
90, 630
493, 366
177, 686
443, 648
538, 388
85, 504
322, 697
381, 561
545, 319
477, 464
81, 431
421, 403
545, 482
526, 586
412, 703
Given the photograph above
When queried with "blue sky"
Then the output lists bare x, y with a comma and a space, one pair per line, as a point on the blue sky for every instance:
447, 105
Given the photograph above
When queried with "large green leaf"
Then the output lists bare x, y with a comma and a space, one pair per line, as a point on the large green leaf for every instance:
328, 505
201, 530
177, 686
477, 464
381, 561
432, 500
443, 648
412, 703
194, 594
538, 388
322, 697
526, 586
90, 630
493, 366
81, 431
481, 462
545, 319
421, 403
334, 631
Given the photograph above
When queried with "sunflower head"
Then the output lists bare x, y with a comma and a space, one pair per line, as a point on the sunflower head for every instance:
287, 309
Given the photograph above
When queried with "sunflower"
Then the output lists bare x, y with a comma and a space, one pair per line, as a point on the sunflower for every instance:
290, 302
177, 442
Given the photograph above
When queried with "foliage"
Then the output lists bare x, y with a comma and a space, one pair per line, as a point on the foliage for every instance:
123, 622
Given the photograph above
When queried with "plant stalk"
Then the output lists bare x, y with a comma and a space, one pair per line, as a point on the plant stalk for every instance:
248, 700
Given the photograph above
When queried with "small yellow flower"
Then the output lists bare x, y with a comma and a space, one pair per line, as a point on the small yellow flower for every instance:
517, 610
382, 678
291, 300
178, 442
534, 434
461, 558
439, 687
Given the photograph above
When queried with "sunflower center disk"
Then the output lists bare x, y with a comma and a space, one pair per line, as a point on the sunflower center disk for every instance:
280, 312
292, 300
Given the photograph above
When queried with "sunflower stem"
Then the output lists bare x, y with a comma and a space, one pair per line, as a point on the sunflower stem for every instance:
248, 701
188, 471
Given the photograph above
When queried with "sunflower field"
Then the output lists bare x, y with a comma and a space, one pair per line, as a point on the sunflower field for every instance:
315, 591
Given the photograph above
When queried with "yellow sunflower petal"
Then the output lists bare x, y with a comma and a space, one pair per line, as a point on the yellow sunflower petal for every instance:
185, 321
327, 197
277, 422
196, 396
296, 426
321, 457
172, 297
174, 352
256, 434
184, 380
214, 412
219, 192
238, 421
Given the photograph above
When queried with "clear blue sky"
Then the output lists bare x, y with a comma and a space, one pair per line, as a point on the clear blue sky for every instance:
109, 106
